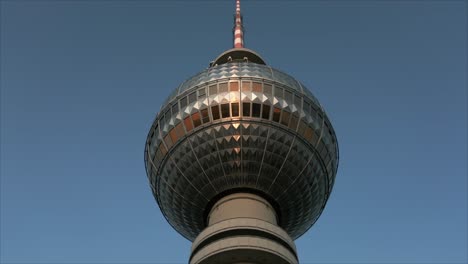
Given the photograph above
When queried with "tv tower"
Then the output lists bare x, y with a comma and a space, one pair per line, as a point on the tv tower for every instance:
241, 159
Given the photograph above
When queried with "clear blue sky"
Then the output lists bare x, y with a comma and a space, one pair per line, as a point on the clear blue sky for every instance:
81, 82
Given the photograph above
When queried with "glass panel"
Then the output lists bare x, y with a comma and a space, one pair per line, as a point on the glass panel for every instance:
234, 86
215, 112
168, 141
173, 135
297, 100
308, 134
225, 110
175, 109
288, 96
293, 123
278, 92
285, 118
223, 87
188, 124
276, 114
196, 119
235, 109
266, 112
205, 116
202, 93
257, 87
213, 89
246, 109
183, 102
192, 97
256, 109
302, 127
179, 130
267, 88
163, 149
245, 86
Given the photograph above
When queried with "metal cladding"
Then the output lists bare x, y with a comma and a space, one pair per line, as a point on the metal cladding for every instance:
241, 126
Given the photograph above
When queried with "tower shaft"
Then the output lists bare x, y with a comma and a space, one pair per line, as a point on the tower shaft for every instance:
243, 228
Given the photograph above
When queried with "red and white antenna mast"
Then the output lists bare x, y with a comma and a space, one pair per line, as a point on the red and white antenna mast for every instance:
238, 28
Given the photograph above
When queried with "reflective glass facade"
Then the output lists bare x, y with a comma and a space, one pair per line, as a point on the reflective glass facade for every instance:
241, 125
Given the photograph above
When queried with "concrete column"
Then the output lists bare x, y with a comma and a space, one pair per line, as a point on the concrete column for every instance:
242, 229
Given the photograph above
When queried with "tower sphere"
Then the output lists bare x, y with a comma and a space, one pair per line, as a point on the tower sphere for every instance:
241, 126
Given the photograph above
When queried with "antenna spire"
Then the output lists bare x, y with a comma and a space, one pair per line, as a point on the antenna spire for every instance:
238, 28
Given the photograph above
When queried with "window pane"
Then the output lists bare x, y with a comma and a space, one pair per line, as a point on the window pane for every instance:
285, 118
257, 87
266, 112
168, 141
235, 109
173, 135
256, 110
202, 93
179, 130
183, 102
223, 87
267, 88
288, 96
297, 100
215, 112
205, 117
278, 92
192, 97
196, 119
175, 109
163, 149
276, 114
213, 89
245, 86
302, 127
225, 110
234, 86
188, 124
246, 109
308, 134
293, 123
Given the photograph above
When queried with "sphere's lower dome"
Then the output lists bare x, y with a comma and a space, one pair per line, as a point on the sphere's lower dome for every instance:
241, 126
